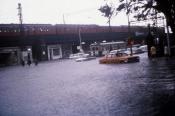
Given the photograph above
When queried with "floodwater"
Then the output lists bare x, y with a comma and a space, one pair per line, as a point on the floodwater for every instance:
69, 88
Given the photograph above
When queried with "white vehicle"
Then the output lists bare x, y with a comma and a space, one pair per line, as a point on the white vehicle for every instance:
81, 57
120, 51
144, 48
136, 50
84, 59
78, 55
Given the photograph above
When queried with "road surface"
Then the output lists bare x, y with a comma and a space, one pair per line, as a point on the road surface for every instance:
69, 88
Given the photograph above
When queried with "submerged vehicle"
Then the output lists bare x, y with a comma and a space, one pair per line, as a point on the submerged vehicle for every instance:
84, 58
144, 48
81, 57
78, 55
118, 57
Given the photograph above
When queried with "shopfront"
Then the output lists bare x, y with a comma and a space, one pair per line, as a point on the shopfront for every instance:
54, 52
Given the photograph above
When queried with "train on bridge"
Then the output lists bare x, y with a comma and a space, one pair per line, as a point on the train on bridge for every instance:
59, 29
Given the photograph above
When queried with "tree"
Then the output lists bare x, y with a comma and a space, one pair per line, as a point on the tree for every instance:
108, 12
144, 9
147, 9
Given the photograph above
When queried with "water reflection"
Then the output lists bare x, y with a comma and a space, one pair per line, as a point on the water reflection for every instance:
145, 89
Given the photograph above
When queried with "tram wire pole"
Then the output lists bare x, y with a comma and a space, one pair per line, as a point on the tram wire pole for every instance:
130, 41
21, 43
168, 39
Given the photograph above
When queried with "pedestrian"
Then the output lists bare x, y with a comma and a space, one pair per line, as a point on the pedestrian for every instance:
36, 62
29, 59
29, 62
166, 51
22, 62
153, 52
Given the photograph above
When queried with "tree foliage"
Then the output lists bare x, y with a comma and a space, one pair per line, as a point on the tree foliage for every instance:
146, 9
108, 12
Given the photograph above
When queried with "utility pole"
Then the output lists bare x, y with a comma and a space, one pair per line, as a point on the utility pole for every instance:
130, 41
167, 34
64, 22
79, 34
20, 17
21, 32
168, 38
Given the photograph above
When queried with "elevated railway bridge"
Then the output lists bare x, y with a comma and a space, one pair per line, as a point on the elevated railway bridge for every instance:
49, 42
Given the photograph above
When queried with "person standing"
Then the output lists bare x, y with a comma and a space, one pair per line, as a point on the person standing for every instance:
166, 51
29, 59
153, 51
166, 54
22, 62
36, 62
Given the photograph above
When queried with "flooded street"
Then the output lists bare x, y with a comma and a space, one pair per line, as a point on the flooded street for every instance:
69, 88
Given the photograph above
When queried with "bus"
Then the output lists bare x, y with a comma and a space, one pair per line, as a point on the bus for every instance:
101, 49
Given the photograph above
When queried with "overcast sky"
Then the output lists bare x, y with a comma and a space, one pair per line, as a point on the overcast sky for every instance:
51, 12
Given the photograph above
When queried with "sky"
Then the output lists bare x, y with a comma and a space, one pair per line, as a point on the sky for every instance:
52, 11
